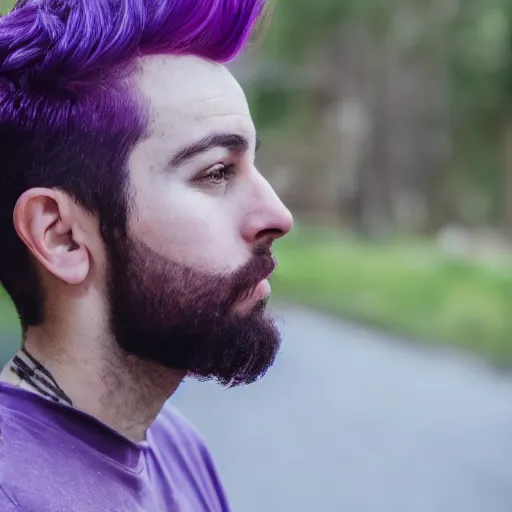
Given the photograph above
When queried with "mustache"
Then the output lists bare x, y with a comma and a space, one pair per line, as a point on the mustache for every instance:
229, 289
246, 278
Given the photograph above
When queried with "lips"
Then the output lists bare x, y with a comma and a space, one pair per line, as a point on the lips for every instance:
261, 266
270, 267
274, 266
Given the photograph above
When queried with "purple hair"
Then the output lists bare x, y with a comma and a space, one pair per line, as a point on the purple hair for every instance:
69, 113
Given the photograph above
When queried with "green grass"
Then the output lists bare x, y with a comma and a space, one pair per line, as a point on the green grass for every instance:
408, 287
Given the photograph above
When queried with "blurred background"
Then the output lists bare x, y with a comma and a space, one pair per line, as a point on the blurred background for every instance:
387, 129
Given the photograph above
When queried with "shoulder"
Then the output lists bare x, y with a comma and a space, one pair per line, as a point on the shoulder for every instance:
18, 452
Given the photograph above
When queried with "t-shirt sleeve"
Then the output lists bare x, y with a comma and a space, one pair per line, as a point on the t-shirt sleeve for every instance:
214, 478
195, 455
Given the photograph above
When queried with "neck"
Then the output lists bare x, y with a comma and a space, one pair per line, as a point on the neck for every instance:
120, 390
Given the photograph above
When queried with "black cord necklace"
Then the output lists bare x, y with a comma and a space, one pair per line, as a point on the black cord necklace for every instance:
38, 377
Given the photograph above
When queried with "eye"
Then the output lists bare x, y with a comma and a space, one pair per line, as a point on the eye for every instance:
218, 174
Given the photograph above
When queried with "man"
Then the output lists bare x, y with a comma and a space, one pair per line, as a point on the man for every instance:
136, 240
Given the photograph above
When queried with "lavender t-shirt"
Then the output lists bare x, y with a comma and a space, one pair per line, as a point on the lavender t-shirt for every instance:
54, 458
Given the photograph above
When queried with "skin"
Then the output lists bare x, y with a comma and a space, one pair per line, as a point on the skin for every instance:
188, 213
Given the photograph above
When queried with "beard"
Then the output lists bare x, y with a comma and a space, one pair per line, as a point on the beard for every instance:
167, 313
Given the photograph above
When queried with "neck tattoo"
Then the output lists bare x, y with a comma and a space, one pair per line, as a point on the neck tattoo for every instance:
31, 371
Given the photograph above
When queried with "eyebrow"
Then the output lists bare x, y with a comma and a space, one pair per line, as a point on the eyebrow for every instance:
232, 141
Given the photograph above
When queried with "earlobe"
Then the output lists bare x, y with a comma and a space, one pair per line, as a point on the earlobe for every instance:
43, 221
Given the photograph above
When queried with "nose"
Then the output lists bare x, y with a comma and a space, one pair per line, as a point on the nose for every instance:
268, 218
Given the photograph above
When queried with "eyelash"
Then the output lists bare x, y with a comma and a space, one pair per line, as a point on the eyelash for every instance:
227, 172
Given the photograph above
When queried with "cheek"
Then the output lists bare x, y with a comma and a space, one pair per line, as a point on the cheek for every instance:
190, 227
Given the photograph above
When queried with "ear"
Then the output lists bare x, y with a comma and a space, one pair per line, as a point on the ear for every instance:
44, 220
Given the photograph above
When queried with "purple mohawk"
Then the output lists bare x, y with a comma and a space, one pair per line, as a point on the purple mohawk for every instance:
72, 44
69, 114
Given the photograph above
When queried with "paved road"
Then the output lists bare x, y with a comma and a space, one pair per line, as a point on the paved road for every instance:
350, 421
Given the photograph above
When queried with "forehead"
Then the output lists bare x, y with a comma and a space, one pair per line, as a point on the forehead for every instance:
191, 97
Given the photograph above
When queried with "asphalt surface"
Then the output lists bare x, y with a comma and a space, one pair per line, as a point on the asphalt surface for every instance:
350, 420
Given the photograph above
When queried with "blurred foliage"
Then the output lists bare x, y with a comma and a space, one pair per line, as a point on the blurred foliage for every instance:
5, 6
471, 39
8, 318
